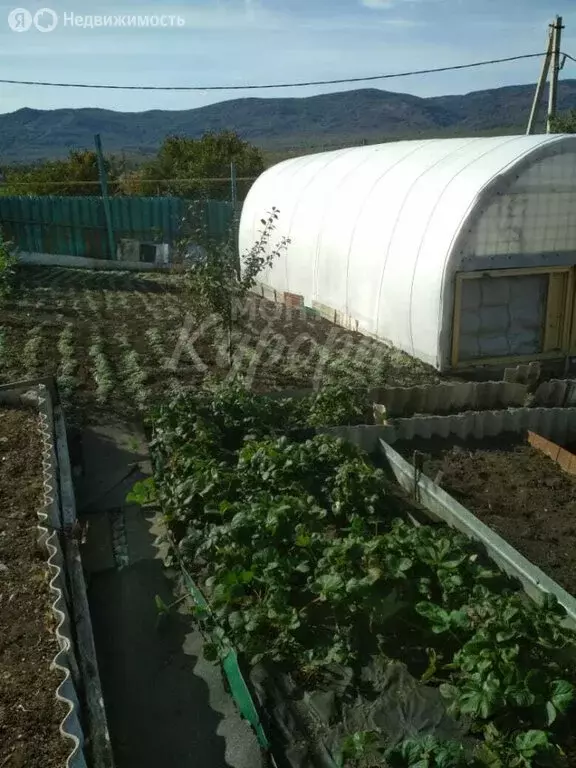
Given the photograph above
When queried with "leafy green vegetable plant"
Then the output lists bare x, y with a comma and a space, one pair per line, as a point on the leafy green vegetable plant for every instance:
305, 561
428, 752
512, 669
68, 368
102, 371
142, 493
31, 350
361, 749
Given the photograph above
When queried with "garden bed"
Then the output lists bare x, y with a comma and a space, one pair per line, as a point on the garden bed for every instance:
30, 714
108, 339
516, 490
360, 632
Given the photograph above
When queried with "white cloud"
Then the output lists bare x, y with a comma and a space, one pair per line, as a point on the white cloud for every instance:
250, 7
378, 4
387, 4
357, 24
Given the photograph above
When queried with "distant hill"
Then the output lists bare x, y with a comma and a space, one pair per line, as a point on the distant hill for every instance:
276, 124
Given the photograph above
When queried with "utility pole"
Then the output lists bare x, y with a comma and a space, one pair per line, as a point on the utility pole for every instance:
541, 83
105, 198
552, 57
554, 74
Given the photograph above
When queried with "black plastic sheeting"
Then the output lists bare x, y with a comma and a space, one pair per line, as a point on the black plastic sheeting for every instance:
307, 728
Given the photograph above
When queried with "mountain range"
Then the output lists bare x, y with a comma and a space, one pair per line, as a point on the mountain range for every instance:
276, 124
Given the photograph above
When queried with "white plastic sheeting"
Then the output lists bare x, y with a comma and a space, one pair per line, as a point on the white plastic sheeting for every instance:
378, 232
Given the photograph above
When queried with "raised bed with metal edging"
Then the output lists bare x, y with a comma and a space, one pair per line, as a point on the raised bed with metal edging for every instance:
558, 424
85, 722
269, 702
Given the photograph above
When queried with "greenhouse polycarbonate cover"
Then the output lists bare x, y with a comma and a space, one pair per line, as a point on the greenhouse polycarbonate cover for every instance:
377, 232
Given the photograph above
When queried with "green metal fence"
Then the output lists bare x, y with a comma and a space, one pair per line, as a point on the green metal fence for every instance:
76, 226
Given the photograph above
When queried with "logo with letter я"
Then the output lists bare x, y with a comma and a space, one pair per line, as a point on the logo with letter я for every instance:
20, 20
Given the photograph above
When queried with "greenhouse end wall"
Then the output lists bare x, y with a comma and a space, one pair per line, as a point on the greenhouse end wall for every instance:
511, 296
383, 234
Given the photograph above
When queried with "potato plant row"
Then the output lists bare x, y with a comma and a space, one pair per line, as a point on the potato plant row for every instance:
75, 325
305, 554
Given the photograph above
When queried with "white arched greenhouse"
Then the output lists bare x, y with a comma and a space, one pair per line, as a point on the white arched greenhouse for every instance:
460, 252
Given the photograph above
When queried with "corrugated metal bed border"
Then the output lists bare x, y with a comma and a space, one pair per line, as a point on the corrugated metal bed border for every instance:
557, 424
76, 660
49, 524
456, 397
452, 397
392, 402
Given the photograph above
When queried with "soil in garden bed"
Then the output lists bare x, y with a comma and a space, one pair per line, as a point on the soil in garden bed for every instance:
519, 492
29, 713
55, 316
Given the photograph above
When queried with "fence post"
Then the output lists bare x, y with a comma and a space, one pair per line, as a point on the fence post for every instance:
233, 185
105, 198
235, 222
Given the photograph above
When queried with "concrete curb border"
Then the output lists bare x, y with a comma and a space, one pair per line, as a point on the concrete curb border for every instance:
84, 262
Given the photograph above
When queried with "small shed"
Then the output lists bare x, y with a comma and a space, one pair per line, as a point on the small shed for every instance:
460, 252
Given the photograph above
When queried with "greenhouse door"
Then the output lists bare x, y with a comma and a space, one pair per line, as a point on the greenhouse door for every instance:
512, 315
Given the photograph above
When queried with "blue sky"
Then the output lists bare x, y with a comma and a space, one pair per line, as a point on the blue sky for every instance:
245, 41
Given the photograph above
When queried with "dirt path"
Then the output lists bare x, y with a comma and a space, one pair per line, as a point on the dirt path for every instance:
29, 713
166, 705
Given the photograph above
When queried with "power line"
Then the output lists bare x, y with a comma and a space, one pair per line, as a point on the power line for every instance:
341, 81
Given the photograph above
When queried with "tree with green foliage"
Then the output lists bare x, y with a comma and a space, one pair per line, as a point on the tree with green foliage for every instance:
181, 158
76, 175
216, 281
564, 122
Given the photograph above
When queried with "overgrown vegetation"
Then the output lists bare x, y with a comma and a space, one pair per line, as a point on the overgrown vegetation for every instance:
75, 175
565, 122
302, 548
182, 166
